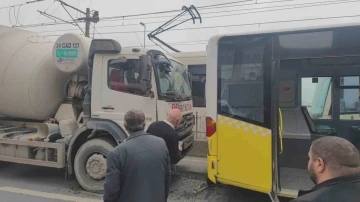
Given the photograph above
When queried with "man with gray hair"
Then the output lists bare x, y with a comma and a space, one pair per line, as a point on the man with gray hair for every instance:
334, 166
138, 169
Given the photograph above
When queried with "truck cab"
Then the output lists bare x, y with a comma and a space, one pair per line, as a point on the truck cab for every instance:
72, 115
121, 79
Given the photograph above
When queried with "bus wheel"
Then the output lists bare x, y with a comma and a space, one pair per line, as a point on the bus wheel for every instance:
90, 164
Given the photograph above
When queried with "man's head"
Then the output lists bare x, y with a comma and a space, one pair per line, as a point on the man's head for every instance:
134, 121
174, 117
331, 157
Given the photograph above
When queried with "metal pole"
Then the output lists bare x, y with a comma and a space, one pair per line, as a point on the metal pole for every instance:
196, 125
87, 21
143, 24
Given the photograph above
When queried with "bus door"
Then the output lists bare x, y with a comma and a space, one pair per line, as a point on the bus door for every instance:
348, 104
245, 141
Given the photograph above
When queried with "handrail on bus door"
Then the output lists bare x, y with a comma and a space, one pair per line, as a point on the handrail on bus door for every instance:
280, 131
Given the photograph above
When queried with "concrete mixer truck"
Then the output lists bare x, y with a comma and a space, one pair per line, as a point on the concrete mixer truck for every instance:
62, 104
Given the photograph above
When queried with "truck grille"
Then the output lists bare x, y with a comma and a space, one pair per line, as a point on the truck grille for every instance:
186, 125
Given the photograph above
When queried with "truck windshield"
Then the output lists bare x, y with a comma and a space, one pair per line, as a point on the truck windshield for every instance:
173, 78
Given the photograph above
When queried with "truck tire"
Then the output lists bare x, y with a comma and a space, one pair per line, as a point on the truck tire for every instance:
90, 164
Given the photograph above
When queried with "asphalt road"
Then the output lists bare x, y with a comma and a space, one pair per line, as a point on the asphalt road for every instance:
37, 184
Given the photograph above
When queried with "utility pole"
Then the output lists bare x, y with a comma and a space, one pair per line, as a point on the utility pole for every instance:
88, 18
87, 23
143, 24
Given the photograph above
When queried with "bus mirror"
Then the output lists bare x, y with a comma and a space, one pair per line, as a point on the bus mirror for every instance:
145, 68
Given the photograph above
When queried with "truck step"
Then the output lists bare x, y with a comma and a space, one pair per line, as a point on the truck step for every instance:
14, 133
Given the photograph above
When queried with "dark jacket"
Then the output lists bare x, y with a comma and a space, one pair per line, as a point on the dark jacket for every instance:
138, 170
166, 132
341, 189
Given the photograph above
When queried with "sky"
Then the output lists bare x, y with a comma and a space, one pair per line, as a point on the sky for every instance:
231, 17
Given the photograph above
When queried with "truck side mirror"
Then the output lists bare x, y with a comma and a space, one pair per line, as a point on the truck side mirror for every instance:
145, 68
190, 78
145, 73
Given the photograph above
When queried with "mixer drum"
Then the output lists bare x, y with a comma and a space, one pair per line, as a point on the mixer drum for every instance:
31, 86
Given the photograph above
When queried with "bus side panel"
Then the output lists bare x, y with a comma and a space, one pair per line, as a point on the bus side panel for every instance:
212, 168
212, 157
245, 157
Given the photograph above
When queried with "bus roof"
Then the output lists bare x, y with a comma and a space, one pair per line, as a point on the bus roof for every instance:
189, 54
172, 58
286, 28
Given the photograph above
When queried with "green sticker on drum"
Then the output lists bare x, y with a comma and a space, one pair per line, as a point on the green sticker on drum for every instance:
67, 53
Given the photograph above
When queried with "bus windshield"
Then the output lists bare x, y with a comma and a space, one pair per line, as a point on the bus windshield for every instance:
173, 78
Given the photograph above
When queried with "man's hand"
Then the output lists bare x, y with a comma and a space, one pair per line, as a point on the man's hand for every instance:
180, 148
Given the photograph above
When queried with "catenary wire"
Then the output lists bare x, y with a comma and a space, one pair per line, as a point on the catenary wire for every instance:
333, 2
238, 25
234, 14
152, 17
299, 6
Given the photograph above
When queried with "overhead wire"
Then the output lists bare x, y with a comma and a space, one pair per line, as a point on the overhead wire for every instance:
141, 14
155, 17
206, 7
257, 23
169, 11
51, 12
28, 2
281, 8
157, 45
227, 6
226, 11
276, 9
16, 16
237, 25
221, 4
5, 7
95, 30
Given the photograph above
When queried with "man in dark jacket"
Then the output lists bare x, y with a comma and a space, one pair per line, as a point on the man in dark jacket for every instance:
138, 169
166, 130
334, 166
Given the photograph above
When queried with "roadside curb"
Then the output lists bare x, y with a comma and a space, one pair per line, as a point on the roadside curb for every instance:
192, 168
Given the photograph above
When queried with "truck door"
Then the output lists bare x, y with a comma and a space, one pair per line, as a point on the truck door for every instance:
121, 91
244, 113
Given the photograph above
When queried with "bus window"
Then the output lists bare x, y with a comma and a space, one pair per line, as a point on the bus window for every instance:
243, 87
349, 98
198, 84
316, 96
339, 42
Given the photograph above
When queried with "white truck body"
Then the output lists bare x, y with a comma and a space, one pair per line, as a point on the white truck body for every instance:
63, 103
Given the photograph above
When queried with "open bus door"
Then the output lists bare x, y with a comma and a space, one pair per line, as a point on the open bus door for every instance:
245, 129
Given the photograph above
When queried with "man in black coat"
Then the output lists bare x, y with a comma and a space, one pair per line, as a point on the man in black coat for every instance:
166, 130
334, 166
138, 169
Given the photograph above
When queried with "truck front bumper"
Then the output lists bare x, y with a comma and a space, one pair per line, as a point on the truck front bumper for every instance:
188, 144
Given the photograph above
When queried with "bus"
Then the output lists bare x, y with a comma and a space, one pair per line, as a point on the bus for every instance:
195, 62
277, 91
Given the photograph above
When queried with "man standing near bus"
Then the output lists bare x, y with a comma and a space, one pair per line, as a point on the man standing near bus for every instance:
166, 130
138, 169
334, 166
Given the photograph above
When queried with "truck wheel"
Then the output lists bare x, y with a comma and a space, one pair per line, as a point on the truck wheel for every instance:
90, 164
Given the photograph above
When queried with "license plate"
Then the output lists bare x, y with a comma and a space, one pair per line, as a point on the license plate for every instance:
187, 142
